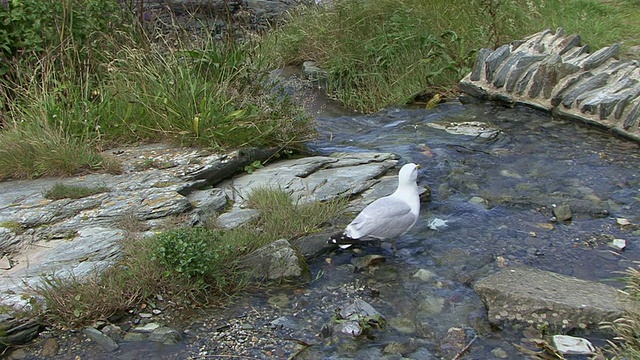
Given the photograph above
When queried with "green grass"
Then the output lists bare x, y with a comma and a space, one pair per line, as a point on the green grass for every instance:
383, 52
61, 110
61, 191
194, 265
626, 343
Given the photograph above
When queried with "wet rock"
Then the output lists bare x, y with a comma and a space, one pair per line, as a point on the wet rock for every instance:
453, 342
276, 261
286, 322
570, 345
354, 320
403, 325
314, 245
16, 331
113, 331
499, 353
135, 336
166, 335
477, 200
528, 296
367, 261
50, 348
18, 354
146, 328
618, 244
562, 212
101, 339
422, 354
424, 275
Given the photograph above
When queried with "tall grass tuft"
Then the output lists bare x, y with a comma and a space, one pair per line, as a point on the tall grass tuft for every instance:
191, 92
216, 95
626, 343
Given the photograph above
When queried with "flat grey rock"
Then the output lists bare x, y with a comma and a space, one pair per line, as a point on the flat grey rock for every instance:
528, 296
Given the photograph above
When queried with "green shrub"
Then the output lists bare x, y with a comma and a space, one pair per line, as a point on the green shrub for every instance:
31, 26
197, 253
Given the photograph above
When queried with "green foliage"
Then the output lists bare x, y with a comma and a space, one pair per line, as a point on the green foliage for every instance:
12, 225
215, 96
284, 217
29, 152
198, 93
384, 52
194, 253
191, 264
627, 328
31, 26
62, 191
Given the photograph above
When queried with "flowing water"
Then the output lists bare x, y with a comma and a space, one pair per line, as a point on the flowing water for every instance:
515, 168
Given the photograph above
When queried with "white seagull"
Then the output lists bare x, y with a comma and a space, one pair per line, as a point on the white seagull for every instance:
386, 218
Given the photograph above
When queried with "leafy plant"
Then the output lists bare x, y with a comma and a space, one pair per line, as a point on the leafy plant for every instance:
194, 253
31, 26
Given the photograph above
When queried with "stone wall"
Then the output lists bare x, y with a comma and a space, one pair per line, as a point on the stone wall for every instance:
555, 72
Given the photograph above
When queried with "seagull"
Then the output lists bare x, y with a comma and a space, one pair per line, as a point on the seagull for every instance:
388, 217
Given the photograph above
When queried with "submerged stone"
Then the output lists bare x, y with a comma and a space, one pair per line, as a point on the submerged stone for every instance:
528, 296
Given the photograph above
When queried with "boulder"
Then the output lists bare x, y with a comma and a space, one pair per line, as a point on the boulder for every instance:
528, 296
276, 261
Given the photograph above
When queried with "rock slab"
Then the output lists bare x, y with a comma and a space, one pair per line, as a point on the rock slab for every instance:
555, 72
528, 296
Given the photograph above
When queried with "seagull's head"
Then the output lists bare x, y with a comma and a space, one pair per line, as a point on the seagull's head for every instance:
408, 174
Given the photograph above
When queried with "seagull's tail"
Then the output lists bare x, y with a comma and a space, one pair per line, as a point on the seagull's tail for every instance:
342, 240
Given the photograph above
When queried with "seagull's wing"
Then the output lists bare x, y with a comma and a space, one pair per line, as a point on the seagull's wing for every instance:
385, 218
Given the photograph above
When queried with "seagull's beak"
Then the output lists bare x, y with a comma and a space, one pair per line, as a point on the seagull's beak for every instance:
418, 166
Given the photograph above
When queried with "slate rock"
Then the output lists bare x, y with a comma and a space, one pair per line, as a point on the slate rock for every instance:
50, 348
236, 217
276, 261
528, 296
166, 335
101, 339
17, 331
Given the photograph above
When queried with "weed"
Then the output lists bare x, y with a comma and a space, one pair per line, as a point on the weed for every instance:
62, 191
14, 226
627, 328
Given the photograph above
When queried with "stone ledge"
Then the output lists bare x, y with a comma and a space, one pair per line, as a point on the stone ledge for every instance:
554, 72
530, 297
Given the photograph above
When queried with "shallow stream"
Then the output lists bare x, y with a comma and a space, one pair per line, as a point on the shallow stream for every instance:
493, 190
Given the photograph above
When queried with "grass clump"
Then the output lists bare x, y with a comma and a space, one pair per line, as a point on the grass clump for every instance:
64, 101
381, 53
61, 191
197, 265
626, 343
